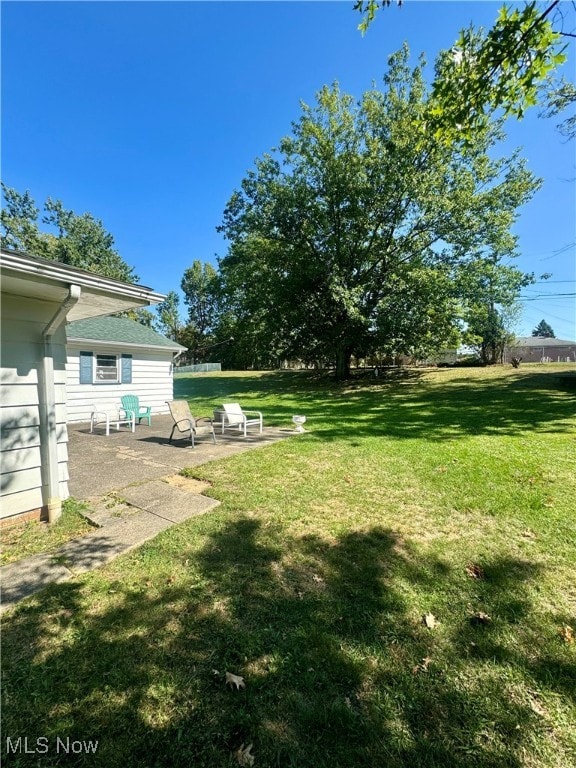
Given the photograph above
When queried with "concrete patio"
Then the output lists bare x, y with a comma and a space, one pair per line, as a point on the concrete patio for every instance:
130, 481
100, 463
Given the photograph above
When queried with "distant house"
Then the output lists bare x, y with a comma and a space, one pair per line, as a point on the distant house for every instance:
38, 297
536, 349
107, 357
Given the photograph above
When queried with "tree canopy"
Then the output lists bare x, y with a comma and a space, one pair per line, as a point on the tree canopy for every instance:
78, 240
201, 287
169, 316
507, 67
544, 329
361, 231
491, 309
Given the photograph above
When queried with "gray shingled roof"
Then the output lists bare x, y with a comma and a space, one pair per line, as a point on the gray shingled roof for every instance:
118, 330
541, 341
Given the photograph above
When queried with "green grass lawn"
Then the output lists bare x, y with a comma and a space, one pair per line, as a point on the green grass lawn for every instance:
447, 494
33, 537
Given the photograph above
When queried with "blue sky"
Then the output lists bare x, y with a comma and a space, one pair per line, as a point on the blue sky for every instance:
149, 114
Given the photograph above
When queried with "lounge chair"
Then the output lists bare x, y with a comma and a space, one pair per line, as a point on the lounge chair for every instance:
185, 422
131, 404
232, 415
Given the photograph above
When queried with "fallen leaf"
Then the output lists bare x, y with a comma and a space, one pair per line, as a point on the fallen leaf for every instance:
475, 571
567, 634
536, 707
244, 755
235, 680
480, 618
348, 480
423, 666
430, 620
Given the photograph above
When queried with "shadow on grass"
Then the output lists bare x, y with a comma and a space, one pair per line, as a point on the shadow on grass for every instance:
339, 669
402, 406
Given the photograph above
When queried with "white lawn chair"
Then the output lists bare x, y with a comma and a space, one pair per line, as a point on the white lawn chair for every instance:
107, 417
233, 416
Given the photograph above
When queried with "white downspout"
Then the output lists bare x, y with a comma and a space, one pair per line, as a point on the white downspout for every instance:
48, 435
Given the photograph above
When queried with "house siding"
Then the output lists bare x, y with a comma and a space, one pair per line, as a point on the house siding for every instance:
152, 381
23, 322
543, 352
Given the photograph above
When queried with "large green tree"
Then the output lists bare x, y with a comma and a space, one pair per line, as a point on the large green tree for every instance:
490, 307
78, 240
168, 312
351, 236
202, 296
19, 223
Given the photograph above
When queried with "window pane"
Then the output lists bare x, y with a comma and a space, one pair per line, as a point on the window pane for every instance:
106, 368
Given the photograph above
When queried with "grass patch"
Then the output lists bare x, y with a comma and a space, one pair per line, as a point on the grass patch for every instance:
33, 537
449, 493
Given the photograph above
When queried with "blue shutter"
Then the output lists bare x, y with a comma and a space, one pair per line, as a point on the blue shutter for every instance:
85, 367
126, 369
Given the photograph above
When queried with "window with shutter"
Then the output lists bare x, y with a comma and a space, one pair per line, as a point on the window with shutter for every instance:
105, 369
85, 367
126, 369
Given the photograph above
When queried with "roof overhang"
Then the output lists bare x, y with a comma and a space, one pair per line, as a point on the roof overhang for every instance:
541, 341
104, 343
37, 278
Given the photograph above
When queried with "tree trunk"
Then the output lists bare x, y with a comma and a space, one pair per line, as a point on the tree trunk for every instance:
343, 357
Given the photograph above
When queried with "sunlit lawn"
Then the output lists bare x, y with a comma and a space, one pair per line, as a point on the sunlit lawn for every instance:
447, 494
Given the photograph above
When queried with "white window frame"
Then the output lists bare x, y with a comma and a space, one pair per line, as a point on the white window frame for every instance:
98, 379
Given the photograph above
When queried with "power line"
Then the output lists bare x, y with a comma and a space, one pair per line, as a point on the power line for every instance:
555, 317
540, 292
559, 252
546, 296
563, 248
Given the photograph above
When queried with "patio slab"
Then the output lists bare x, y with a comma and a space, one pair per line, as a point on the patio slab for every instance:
172, 504
99, 464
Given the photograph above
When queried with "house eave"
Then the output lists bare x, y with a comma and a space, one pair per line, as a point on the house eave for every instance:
111, 343
43, 280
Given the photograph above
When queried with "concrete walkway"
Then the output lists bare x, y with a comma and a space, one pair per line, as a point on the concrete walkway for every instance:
132, 486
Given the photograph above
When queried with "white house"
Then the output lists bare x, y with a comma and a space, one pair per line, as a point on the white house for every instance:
37, 298
107, 357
